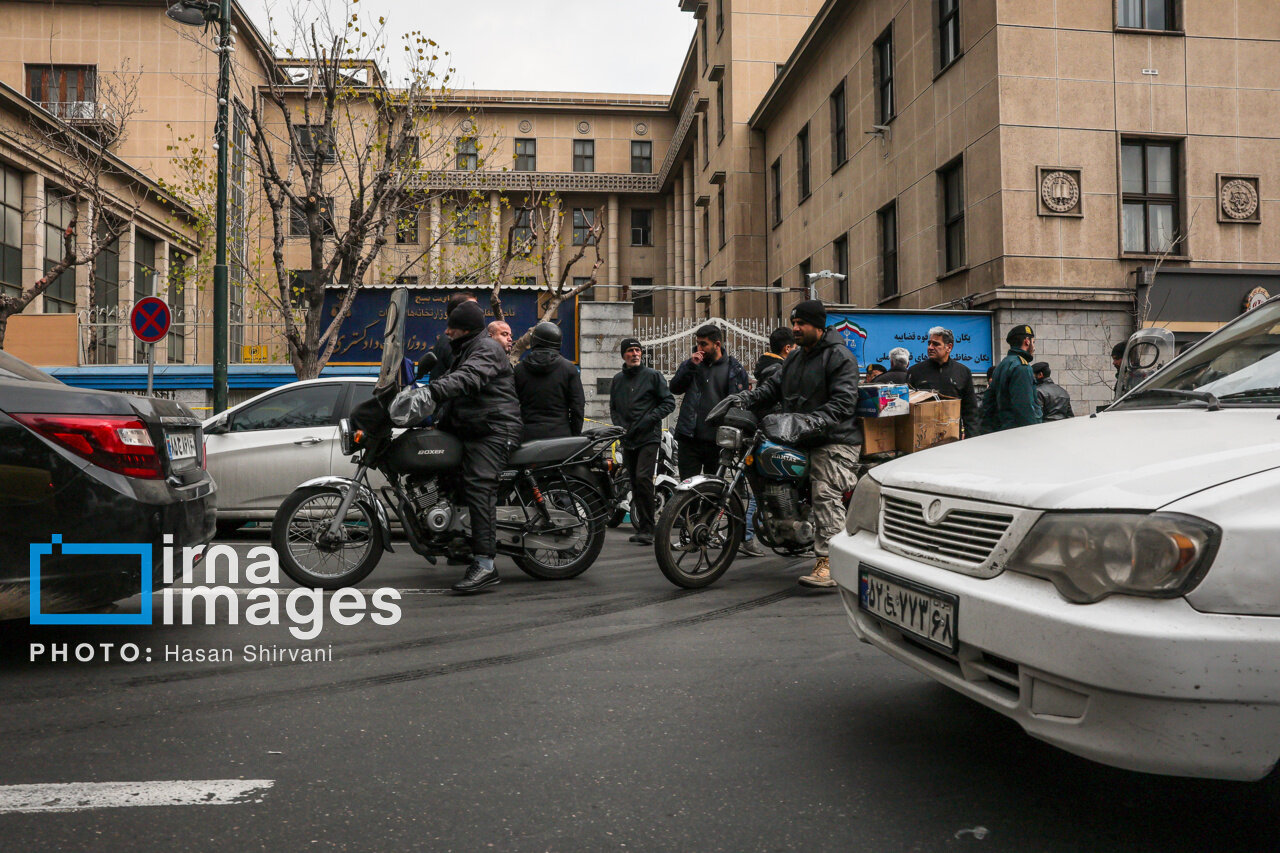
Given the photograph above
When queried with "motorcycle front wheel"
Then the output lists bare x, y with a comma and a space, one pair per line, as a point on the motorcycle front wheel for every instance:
574, 538
697, 537
299, 535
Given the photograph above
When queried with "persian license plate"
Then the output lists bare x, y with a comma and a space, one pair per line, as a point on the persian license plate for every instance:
182, 445
926, 614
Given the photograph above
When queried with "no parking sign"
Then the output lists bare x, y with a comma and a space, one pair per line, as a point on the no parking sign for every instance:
150, 319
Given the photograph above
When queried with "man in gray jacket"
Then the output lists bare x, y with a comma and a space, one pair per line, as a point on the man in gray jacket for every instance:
1055, 402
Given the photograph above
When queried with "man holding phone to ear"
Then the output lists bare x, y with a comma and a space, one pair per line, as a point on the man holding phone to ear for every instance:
705, 378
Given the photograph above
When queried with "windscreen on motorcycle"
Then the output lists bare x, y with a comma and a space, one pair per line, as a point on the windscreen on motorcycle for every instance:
393, 340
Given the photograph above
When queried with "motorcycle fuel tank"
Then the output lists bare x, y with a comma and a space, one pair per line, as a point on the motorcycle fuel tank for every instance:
425, 451
779, 462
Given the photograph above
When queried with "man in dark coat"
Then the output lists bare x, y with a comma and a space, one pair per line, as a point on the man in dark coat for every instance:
1010, 400
478, 405
442, 349
942, 373
781, 342
899, 360
638, 401
819, 379
1054, 400
705, 378
550, 388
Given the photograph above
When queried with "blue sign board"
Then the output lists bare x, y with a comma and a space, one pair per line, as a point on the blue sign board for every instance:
871, 334
360, 336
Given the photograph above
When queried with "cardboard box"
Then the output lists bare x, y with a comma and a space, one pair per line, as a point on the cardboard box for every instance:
931, 421
882, 401
879, 435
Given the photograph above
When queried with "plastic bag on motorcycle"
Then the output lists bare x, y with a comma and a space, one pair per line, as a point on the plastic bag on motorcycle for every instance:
793, 429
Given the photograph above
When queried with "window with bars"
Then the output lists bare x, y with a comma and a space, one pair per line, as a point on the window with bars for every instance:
840, 264
299, 282
177, 285
948, 32
802, 162
314, 140
641, 227
60, 296
1146, 14
466, 227
467, 154
1149, 183
883, 56
584, 155
642, 296
641, 157
522, 231
951, 180
407, 226
588, 295
526, 155
839, 129
724, 237
298, 226
584, 219
775, 178
887, 222
10, 231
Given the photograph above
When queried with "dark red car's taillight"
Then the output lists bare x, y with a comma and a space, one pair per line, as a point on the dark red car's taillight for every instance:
116, 442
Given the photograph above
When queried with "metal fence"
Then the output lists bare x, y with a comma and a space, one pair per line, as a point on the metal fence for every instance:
667, 343
255, 335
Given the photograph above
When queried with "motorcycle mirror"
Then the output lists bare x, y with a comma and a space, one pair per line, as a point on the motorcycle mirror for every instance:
392, 340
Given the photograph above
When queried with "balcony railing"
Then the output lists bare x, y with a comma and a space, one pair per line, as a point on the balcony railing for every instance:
88, 116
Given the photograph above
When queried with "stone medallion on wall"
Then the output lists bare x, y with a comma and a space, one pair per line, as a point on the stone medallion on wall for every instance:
525, 126
584, 126
641, 128
1239, 199
1058, 191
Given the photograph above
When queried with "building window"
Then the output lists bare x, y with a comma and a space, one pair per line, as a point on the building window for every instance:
522, 231
642, 296
883, 56
312, 141
641, 227
720, 110
706, 142
177, 289
1146, 14
588, 295
527, 282
719, 19
106, 300
1149, 174
299, 283
407, 226
888, 228
144, 282
60, 296
584, 155
584, 219
802, 162
298, 220
776, 298
526, 155
67, 91
702, 33
951, 179
466, 227
468, 154
405, 279
641, 157
948, 32
724, 237
806, 266
775, 172
839, 129
840, 264
706, 235
10, 232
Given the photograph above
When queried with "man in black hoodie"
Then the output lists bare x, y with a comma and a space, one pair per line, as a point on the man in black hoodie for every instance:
781, 342
478, 405
638, 401
705, 378
550, 388
442, 349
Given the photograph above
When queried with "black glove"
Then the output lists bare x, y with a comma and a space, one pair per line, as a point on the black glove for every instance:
719, 410
425, 365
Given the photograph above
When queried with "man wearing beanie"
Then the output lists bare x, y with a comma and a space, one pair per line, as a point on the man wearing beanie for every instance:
819, 379
638, 401
443, 347
477, 403
1010, 400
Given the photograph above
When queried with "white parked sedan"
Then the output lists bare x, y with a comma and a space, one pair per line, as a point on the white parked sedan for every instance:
1108, 582
261, 449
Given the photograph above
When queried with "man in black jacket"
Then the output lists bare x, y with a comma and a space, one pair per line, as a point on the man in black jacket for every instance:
705, 378
1055, 402
550, 388
481, 409
781, 342
638, 401
942, 373
819, 380
443, 347
899, 360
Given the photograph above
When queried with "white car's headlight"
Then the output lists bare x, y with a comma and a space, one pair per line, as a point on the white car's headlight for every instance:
864, 508
1089, 556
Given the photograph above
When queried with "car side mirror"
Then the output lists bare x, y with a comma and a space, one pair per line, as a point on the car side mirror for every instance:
217, 427
1146, 352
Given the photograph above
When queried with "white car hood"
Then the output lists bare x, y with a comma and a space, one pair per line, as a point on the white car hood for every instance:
1117, 460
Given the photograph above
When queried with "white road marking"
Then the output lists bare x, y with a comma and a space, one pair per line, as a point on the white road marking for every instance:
245, 590
80, 796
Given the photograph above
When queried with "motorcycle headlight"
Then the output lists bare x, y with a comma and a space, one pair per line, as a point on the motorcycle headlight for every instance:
1089, 556
864, 507
730, 437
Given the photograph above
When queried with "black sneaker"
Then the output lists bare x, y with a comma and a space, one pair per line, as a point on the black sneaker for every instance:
477, 578
643, 539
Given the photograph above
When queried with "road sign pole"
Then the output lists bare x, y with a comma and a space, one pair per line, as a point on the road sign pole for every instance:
151, 367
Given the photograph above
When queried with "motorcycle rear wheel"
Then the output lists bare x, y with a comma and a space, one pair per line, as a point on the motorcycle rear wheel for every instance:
296, 533
576, 504
697, 537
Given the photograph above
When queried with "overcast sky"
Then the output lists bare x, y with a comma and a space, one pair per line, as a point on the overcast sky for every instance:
633, 46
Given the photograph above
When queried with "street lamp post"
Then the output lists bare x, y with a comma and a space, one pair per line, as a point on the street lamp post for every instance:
203, 13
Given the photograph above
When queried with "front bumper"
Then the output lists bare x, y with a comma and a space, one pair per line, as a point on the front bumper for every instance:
1143, 684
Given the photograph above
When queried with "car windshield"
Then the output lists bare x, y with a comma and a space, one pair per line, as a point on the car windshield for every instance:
1239, 366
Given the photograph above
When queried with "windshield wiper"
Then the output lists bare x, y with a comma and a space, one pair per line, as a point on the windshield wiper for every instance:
1210, 401
1252, 392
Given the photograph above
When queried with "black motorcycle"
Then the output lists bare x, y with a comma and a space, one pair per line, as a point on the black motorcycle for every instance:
330, 532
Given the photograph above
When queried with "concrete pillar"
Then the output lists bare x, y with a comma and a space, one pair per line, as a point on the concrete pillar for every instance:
689, 296
496, 237
434, 275
676, 297
669, 301
601, 328
614, 292
554, 235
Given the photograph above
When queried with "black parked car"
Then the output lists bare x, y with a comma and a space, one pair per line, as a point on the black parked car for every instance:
92, 467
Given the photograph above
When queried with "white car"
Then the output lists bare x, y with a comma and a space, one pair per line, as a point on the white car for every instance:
1109, 582
259, 450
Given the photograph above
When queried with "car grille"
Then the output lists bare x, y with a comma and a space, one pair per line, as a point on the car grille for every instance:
964, 537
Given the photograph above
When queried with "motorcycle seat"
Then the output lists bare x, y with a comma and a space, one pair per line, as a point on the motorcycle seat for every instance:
547, 451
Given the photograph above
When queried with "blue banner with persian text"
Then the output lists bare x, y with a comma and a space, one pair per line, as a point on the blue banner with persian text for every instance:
360, 336
871, 334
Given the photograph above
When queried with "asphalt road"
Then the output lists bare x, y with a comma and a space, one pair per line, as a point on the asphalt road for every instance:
608, 712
